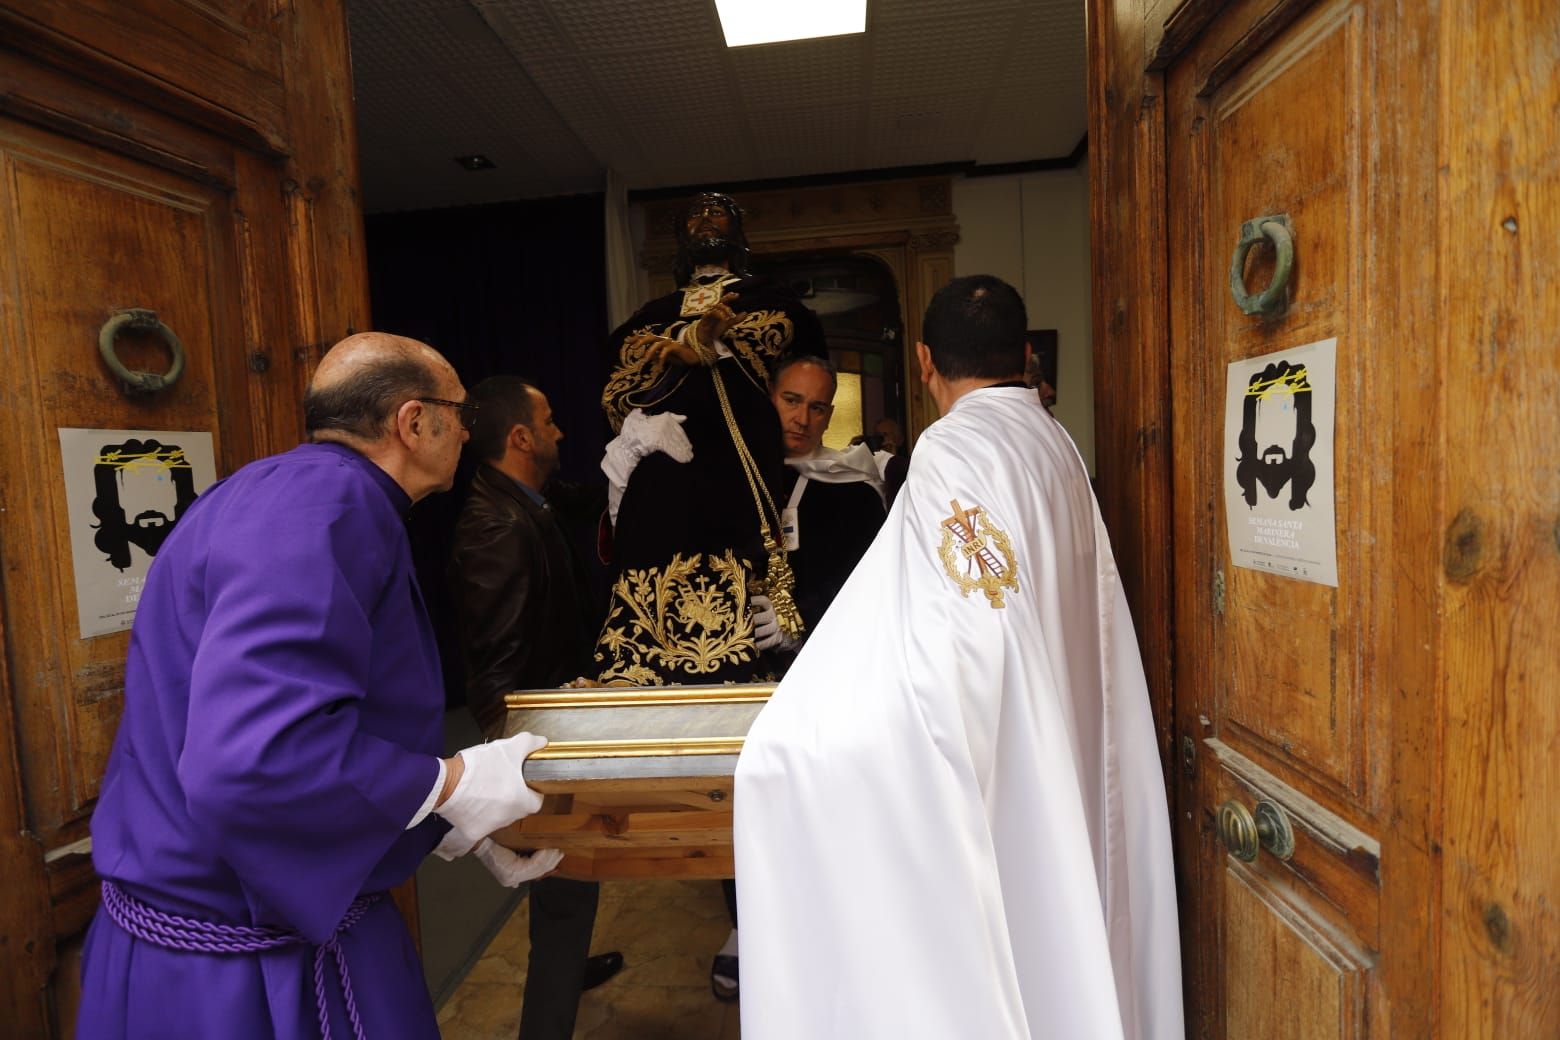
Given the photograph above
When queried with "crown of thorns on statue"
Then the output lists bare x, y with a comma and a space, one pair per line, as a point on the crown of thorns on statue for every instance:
735, 243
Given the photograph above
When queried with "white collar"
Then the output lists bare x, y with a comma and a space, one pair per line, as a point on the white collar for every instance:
832, 466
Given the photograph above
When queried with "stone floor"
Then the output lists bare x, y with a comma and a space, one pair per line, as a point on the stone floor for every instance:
667, 932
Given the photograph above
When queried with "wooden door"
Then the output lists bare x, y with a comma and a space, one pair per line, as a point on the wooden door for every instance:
1404, 723
1287, 690
152, 156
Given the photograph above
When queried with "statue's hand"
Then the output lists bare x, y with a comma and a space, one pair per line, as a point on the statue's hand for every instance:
717, 320
666, 351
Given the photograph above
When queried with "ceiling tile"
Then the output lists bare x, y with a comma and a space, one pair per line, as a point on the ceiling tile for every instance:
949, 53
556, 91
598, 26
813, 71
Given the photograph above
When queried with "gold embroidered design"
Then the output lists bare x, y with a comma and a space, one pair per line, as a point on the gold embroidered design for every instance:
690, 616
760, 337
637, 373
969, 550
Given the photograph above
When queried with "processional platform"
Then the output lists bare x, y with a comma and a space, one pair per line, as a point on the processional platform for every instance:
636, 780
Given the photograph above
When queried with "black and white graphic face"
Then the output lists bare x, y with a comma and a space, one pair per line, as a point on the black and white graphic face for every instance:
1276, 435
142, 488
150, 502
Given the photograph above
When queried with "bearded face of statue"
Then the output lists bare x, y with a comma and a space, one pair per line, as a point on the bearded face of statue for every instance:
707, 230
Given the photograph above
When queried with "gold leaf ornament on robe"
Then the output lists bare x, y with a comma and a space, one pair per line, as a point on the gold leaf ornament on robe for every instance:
689, 617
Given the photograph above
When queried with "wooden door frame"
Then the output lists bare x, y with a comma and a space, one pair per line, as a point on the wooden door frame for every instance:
77, 72
1130, 319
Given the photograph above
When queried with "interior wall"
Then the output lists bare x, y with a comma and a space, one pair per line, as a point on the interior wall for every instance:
1032, 231
636, 231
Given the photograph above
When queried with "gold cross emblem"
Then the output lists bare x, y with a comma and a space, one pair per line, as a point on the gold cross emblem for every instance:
977, 554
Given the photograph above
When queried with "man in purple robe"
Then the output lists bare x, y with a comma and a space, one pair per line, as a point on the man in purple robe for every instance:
277, 768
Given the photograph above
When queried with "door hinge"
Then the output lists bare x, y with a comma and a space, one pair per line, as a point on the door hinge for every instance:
1218, 592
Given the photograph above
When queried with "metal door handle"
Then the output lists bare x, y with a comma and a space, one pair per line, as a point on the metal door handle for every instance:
135, 381
1243, 833
1275, 229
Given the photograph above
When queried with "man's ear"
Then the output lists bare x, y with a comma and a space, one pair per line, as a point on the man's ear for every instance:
411, 422
520, 437
923, 355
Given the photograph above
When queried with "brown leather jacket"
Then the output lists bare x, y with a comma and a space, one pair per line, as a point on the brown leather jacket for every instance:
518, 594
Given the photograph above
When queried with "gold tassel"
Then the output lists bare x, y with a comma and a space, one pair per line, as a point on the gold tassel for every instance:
779, 584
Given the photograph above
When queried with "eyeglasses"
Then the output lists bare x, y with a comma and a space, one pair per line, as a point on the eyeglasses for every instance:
467, 410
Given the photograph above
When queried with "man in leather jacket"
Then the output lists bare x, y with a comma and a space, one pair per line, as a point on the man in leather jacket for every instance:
525, 621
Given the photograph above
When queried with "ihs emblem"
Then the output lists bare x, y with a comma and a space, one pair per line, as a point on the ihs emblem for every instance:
977, 554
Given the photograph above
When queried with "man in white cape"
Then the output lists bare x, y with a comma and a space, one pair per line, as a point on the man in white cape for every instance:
950, 818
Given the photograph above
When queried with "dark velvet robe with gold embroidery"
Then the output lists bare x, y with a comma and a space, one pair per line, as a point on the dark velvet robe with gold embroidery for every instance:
688, 539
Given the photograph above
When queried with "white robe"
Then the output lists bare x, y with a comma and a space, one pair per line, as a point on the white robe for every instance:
950, 818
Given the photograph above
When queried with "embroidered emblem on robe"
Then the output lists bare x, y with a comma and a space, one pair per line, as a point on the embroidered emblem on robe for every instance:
699, 298
977, 554
687, 619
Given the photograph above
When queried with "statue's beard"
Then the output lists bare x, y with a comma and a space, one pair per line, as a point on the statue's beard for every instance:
709, 249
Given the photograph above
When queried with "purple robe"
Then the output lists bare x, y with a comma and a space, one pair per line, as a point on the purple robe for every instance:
283, 714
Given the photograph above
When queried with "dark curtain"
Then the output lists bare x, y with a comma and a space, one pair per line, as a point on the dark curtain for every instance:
515, 288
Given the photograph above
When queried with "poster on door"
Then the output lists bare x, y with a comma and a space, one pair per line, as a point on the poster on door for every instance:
124, 491
1278, 462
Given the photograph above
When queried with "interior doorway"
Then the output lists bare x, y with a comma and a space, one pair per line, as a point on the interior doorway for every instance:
857, 300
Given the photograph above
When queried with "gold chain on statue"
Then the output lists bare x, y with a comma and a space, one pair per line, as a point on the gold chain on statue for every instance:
780, 582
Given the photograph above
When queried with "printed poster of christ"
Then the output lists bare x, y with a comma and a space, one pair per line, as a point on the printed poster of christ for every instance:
124, 490
1278, 462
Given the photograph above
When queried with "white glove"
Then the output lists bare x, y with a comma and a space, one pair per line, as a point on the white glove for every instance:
453, 846
511, 868
767, 633
491, 792
641, 435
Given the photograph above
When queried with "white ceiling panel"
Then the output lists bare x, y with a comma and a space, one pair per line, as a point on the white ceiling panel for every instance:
924, 56
827, 70
633, 25
895, 10
529, 31
557, 91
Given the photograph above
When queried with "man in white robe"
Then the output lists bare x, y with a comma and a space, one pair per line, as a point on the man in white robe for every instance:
950, 819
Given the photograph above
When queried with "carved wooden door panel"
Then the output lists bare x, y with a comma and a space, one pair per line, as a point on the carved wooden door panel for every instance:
90, 233
154, 155
1304, 897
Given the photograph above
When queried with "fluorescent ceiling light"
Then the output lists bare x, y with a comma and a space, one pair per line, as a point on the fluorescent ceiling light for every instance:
746, 22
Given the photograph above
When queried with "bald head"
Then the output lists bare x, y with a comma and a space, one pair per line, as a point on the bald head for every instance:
361, 381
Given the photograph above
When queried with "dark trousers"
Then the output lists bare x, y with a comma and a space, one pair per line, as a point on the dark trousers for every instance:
563, 913
728, 888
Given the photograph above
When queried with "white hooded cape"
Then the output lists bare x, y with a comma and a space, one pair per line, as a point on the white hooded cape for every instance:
950, 818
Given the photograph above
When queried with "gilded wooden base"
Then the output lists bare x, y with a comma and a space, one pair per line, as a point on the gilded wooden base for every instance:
638, 780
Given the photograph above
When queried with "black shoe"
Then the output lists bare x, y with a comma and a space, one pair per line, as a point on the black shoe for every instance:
601, 967
723, 978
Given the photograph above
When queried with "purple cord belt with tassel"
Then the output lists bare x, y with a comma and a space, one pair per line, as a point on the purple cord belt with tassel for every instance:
173, 932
